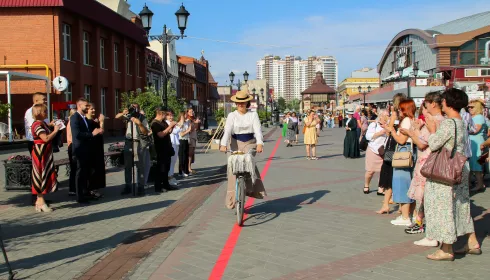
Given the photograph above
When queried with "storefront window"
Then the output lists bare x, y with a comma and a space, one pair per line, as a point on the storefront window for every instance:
454, 58
468, 46
467, 58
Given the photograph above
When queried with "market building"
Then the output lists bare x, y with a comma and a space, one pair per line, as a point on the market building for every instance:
100, 52
453, 54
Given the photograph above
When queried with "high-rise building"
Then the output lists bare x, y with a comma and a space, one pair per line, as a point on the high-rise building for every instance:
292, 75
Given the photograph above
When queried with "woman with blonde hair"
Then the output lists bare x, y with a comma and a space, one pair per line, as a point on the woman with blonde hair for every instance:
44, 178
311, 136
477, 137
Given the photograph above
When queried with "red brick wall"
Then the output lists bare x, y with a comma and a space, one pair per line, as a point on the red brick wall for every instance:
34, 36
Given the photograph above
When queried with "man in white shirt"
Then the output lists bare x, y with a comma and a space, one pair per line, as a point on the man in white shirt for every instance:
37, 98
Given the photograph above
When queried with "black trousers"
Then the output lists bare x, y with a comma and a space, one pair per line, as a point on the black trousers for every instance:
184, 156
81, 178
161, 174
73, 170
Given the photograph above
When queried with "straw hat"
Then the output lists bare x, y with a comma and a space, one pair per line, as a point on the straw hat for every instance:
241, 96
349, 112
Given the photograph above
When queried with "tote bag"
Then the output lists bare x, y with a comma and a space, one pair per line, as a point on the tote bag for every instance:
444, 166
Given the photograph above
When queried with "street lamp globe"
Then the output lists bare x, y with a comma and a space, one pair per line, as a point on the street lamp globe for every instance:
182, 16
253, 91
146, 16
245, 76
262, 91
369, 88
231, 76
359, 89
415, 69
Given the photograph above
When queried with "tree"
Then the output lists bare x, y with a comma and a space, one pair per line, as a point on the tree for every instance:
293, 105
281, 104
4, 110
148, 100
175, 103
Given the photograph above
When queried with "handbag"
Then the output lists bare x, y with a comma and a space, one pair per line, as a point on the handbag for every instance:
363, 144
402, 159
444, 166
387, 151
483, 158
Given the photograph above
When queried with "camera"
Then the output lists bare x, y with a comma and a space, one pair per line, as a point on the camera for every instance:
132, 112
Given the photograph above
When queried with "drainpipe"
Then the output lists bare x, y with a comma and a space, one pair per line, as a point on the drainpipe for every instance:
487, 57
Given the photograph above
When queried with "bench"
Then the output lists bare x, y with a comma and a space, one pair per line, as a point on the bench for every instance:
108, 157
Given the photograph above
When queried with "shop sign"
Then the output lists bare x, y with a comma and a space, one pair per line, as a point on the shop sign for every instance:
421, 82
418, 102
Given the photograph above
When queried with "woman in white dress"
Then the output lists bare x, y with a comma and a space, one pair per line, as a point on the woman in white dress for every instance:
243, 132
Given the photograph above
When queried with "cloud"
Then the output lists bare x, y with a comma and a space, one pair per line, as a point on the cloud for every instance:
356, 42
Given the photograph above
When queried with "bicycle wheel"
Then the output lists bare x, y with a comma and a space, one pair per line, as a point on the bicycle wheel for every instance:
240, 200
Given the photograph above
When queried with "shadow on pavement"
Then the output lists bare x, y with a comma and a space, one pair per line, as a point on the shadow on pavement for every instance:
83, 250
26, 227
269, 210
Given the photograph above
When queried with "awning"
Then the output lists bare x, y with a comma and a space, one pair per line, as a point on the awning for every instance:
9, 77
415, 92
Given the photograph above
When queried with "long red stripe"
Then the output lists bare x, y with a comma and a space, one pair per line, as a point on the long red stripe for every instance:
220, 265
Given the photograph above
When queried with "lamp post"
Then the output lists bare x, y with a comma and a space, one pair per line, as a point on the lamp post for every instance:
364, 93
238, 84
146, 17
265, 102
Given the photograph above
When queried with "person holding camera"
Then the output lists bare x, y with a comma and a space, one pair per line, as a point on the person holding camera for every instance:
161, 131
137, 131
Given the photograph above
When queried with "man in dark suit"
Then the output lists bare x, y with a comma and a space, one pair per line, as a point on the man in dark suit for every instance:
81, 137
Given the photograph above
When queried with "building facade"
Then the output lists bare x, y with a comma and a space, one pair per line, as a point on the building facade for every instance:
364, 78
292, 75
100, 53
448, 55
154, 70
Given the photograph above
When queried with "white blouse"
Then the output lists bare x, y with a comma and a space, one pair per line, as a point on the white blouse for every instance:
375, 144
184, 127
237, 123
174, 135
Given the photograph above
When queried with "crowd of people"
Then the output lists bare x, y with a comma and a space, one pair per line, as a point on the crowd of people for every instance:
428, 205
163, 139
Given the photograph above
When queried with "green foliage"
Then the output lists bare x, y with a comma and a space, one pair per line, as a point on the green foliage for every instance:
4, 110
220, 114
281, 104
262, 115
148, 100
293, 105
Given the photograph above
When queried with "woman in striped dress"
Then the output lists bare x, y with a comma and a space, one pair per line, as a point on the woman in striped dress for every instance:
43, 171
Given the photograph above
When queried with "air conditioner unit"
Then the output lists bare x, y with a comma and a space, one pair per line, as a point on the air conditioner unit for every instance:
439, 76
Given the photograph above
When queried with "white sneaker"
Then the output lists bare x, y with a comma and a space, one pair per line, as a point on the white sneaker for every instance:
400, 221
173, 182
426, 242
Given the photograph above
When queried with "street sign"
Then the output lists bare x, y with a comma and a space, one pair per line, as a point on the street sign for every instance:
60, 83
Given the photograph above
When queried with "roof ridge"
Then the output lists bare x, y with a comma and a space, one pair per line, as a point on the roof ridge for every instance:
459, 19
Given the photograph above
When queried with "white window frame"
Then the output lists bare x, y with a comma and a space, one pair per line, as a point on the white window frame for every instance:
66, 42
116, 57
103, 94
102, 54
87, 89
86, 48
68, 93
116, 101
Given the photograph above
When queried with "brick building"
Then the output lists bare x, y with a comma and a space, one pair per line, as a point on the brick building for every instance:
101, 53
196, 84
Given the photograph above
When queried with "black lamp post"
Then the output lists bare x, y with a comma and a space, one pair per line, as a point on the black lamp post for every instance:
364, 92
232, 78
146, 18
255, 98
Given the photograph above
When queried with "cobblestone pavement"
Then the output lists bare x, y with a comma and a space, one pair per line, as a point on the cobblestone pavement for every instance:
67, 242
316, 223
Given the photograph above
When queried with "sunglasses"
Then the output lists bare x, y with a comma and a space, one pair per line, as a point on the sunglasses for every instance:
471, 107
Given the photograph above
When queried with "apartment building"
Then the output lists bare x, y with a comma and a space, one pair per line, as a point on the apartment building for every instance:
292, 75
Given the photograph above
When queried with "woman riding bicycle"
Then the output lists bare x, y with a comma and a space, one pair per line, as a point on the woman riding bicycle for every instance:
243, 127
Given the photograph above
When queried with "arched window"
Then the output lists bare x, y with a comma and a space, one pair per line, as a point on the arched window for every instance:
471, 52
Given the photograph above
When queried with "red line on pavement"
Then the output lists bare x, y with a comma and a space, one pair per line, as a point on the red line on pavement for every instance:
220, 265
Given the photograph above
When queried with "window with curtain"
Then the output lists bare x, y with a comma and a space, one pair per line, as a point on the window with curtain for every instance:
471, 52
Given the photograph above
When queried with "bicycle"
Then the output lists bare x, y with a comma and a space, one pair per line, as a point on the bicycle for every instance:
243, 171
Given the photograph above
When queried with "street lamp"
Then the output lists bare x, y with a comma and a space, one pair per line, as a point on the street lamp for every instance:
253, 94
364, 93
232, 78
146, 18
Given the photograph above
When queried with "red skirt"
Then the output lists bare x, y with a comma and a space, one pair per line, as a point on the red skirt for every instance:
44, 179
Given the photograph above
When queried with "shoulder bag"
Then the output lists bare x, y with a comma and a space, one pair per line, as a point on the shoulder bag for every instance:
402, 159
388, 150
363, 144
444, 166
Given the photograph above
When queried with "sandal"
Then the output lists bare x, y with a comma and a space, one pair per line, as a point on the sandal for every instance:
314, 158
383, 211
366, 190
308, 158
440, 255
466, 250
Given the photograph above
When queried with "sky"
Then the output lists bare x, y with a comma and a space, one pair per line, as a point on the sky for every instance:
235, 34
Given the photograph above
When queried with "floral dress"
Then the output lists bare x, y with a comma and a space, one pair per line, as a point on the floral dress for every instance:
447, 208
417, 186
